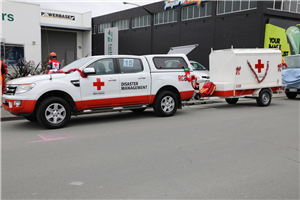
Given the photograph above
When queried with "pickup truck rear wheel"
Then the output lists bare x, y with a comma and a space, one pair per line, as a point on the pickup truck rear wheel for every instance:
54, 112
264, 98
165, 104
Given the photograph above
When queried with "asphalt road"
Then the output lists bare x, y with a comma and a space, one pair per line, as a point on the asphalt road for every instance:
212, 151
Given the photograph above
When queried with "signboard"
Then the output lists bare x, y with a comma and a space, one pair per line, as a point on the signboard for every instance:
285, 34
58, 16
111, 41
173, 3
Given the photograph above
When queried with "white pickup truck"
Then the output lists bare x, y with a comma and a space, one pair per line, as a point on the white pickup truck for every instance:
101, 84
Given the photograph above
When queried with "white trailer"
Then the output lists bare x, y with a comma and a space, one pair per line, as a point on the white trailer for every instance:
252, 73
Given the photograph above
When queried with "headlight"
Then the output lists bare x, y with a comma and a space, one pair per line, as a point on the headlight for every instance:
24, 88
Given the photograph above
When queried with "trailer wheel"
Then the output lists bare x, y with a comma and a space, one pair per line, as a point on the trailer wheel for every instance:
264, 98
54, 112
197, 96
291, 95
165, 104
232, 100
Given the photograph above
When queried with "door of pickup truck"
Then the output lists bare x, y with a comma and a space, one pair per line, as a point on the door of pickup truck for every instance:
103, 88
134, 81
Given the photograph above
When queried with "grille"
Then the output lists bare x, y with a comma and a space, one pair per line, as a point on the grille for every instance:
10, 89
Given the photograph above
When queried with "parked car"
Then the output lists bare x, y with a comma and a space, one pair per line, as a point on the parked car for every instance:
201, 71
291, 76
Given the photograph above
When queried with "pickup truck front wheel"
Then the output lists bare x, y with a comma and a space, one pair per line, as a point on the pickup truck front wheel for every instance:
165, 104
53, 112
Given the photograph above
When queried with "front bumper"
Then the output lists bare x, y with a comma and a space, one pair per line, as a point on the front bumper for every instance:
10, 104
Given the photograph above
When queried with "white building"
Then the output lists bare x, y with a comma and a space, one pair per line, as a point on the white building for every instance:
30, 32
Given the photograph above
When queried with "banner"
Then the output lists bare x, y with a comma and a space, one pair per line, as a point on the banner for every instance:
111, 41
285, 34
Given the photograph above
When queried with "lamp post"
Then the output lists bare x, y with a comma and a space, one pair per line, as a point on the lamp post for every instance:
152, 23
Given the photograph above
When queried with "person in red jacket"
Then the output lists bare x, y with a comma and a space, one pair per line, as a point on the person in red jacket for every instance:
53, 63
2, 74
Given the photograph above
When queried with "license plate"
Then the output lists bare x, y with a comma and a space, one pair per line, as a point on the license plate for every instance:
293, 90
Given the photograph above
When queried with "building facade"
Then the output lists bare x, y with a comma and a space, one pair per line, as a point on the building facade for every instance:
31, 33
155, 28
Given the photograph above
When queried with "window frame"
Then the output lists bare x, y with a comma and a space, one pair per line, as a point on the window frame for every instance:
234, 3
196, 15
281, 2
159, 17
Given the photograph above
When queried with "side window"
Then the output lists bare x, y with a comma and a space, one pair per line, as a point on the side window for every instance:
169, 63
130, 65
103, 66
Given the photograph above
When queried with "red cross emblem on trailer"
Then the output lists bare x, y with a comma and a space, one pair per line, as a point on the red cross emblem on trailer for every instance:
98, 84
259, 66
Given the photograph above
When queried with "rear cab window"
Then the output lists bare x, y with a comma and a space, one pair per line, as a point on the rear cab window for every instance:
169, 63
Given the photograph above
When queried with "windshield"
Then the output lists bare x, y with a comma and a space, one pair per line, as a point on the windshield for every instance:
76, 64
198, 66
292, 62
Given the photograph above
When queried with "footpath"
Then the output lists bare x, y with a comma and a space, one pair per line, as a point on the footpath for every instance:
6, 116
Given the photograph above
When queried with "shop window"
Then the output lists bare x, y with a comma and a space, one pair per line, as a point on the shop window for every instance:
285, 5
101, 27
121, 24
227, 6
193, 12
12, 54
165, 17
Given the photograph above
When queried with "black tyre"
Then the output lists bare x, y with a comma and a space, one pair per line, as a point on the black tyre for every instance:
31, 118
140, 110
291, 95
232, 100
197, 96
264, 98
165, 104
53, 112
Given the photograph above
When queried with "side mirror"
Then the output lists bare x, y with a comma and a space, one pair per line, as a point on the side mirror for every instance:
88, 71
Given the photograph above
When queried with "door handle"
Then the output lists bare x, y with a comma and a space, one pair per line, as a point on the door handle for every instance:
112, 79
142, 77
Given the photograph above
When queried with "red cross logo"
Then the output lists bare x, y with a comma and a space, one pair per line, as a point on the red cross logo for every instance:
98, 84
259, 66
55, 64
238, 69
